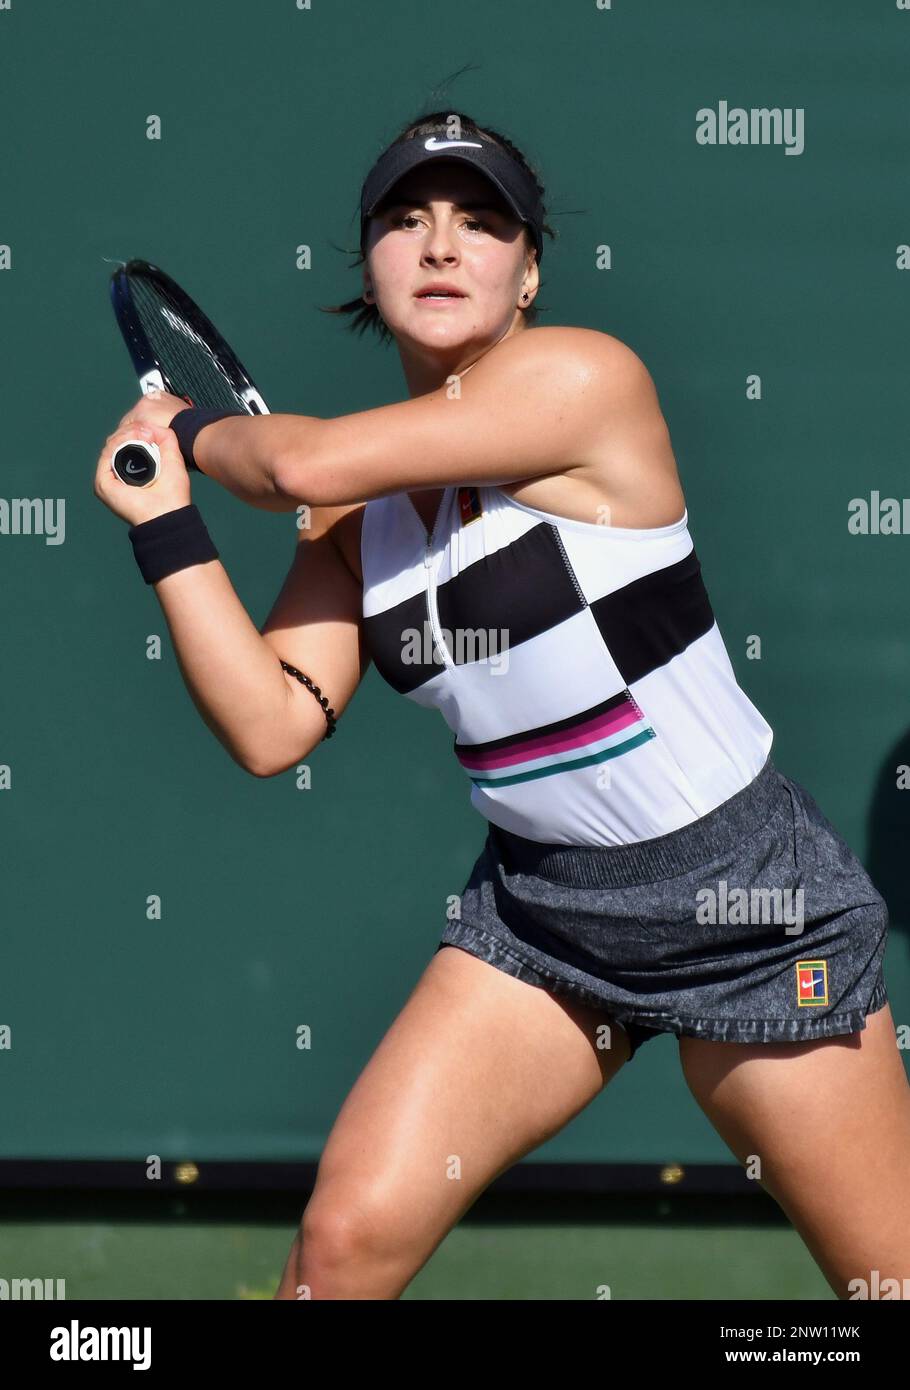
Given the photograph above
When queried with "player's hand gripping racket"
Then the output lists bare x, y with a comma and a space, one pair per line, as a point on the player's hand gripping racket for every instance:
175, 348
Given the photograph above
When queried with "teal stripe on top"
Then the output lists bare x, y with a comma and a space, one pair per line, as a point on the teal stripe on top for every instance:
613, 752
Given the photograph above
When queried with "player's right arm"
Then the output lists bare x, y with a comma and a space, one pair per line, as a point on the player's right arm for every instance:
316, 625
266, 719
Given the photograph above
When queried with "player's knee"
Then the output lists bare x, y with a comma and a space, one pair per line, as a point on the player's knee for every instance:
338, 1230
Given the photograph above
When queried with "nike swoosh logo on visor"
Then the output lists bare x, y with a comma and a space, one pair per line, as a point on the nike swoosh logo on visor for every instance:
434, 144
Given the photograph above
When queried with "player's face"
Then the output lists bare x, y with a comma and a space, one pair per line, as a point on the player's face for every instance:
447, 222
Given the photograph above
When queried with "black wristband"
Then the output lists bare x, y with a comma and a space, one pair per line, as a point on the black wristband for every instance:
170, 542
186, 424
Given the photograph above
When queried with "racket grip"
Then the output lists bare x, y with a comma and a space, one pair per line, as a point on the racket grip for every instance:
137, 462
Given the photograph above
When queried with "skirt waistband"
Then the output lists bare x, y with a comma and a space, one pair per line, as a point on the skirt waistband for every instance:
645, 861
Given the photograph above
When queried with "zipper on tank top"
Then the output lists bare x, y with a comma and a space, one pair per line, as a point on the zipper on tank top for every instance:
430, 572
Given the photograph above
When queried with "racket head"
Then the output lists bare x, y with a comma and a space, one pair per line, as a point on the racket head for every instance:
174, 346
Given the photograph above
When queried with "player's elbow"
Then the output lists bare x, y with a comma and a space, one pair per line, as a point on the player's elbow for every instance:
268, 763
306, 476
253, 762
260, 769
264, 763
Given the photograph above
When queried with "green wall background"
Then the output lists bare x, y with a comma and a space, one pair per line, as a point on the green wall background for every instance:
284, 907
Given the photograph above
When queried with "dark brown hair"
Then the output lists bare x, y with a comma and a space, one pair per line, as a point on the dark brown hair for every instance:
435, 123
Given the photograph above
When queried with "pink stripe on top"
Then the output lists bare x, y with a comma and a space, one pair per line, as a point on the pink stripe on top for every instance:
599, 727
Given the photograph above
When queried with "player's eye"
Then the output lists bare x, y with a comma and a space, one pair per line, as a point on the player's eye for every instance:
399, 219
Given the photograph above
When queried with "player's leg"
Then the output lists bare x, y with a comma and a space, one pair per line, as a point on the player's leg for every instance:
830, 1122
478, 1069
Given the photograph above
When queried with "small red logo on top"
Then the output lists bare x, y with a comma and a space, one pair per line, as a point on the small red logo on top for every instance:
469, 508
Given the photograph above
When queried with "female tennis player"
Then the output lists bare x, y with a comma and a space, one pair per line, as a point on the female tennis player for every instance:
510, 545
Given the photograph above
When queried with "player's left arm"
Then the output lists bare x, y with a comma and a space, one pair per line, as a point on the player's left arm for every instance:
539, 403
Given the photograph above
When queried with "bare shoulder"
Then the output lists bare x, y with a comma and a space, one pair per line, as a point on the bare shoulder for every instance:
582, 349
625, 459
604, 379
609, 389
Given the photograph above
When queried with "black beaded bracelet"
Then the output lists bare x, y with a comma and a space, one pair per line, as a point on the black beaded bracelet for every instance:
323, 699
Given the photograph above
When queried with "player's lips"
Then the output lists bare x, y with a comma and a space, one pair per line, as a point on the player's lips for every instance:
439, 292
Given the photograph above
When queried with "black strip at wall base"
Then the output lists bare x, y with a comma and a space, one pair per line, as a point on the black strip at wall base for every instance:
187, 1177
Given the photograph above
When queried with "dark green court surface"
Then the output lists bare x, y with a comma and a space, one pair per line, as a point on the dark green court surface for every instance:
532, 1248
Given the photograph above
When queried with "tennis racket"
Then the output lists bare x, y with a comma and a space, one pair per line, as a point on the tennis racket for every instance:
176, 348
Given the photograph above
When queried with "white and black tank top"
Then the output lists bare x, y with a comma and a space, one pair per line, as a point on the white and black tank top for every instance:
579, 666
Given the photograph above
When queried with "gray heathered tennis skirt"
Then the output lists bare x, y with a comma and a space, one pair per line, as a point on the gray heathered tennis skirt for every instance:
755, 923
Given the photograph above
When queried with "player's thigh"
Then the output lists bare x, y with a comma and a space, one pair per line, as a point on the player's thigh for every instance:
830, 1122
478, 1069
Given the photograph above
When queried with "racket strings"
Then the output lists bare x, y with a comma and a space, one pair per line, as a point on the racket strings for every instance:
187, 360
